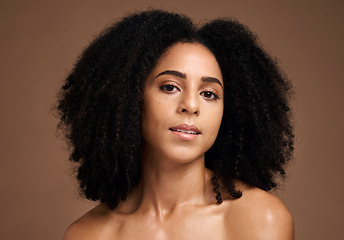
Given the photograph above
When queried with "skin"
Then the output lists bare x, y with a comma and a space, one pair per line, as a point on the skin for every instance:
174, 199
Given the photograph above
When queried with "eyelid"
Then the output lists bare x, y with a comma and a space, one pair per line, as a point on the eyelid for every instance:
213, 90
214, 94
163, 85
170, 82
212, 85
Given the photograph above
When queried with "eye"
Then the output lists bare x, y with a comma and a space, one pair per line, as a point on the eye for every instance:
169, 88
209, 95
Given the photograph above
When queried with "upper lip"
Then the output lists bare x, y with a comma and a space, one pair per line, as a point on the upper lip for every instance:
186, 128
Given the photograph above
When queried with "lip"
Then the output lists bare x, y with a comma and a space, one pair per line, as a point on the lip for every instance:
185, 132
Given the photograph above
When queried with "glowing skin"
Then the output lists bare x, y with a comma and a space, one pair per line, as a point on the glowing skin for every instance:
182, 112
183, 104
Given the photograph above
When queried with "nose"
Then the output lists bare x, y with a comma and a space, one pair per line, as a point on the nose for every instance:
189, 105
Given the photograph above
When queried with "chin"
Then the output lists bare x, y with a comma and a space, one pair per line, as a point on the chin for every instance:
185, 155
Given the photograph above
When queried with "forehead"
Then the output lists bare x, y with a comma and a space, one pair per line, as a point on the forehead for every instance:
189, 58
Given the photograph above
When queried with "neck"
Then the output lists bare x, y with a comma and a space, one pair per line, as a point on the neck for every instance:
167, 184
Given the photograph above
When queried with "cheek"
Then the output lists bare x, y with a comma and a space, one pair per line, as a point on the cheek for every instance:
216, 118
154, 117
157, 109
213, 122
219, 118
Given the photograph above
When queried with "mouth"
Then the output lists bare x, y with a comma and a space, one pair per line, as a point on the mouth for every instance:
185, 128
185, 132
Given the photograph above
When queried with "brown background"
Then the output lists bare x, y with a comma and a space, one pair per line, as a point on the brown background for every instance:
40, 41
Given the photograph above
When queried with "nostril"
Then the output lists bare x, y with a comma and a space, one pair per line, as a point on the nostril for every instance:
185, 110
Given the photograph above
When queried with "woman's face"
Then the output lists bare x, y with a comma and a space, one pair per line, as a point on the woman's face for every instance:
183, 103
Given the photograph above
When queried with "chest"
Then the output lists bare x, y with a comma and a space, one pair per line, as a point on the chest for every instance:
210, 227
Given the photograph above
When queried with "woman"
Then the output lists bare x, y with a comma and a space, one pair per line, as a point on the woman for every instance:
179, 131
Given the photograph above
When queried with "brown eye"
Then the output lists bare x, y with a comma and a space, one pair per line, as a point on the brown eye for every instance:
169, 88
209, 95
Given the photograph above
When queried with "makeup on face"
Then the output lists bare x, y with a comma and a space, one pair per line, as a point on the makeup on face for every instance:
183, 103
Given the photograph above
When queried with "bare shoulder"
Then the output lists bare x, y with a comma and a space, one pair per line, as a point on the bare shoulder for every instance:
260, 215
98, 223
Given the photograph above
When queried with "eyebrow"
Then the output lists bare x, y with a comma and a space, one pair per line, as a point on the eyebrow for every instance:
174, 73
182, 75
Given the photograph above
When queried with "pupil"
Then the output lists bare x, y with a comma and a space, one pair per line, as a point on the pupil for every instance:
207, 94
169, 88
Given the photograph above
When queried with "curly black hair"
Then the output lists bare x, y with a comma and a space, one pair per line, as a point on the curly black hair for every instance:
101, 101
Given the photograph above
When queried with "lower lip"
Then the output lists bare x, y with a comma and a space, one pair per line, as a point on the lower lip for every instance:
184, 136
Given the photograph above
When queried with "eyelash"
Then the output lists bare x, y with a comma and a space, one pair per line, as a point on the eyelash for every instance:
163, 87
213, 96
